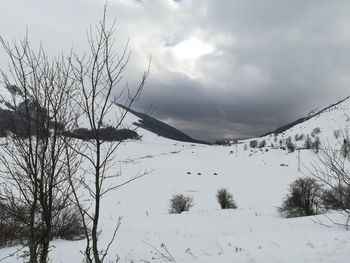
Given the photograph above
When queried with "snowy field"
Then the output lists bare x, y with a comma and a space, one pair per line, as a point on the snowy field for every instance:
254, 232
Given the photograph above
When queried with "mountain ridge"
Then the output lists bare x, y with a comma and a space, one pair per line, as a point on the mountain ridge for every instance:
303, 119
160, 128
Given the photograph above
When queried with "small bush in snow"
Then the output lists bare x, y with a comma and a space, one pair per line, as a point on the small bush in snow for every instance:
307, 143
345, 149
9, 234
281, 142
70, 225
316, 144
180, 203
303, 199
296, 137
315, 131
262, 144
290, 147
253, 143
225, 199
337, 198
14, 228
299, 137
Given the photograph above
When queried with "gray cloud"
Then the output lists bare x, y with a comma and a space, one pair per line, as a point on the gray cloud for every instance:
228, 68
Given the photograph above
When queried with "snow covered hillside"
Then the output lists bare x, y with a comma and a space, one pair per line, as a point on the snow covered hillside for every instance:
254, 232
329, 125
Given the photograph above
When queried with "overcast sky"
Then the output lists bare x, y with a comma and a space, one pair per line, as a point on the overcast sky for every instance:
220, 69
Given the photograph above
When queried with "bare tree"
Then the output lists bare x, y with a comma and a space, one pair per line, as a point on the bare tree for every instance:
332, 169
33, 155
99, 74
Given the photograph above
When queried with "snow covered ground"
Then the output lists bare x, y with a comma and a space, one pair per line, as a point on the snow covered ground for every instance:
254, 232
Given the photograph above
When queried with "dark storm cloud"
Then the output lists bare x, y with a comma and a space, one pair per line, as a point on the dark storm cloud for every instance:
281, 60
230, 68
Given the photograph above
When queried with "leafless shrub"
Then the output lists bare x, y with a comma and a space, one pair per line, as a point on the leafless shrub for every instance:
308, 142
315, 131
316, 144
345, 148
303, 199
14, 227
290, 146
11, 232
225, 199
299, 137
180, 203
262, 143
69, 225
331, 168
337, 198
253, 143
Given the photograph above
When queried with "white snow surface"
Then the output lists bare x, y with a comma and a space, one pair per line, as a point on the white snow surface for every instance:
254, 232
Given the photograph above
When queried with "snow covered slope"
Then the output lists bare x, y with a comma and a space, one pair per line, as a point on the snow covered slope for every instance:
329, 125
145, 124
311, 115
254, 232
